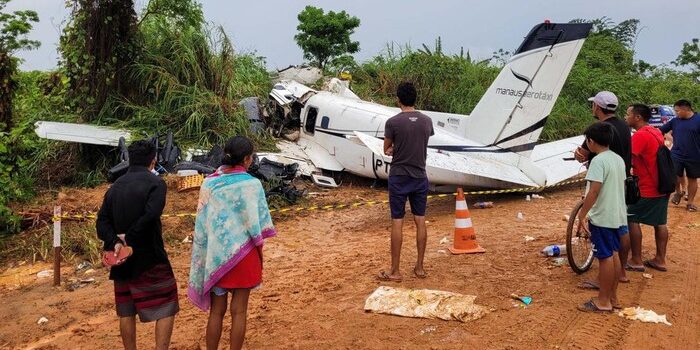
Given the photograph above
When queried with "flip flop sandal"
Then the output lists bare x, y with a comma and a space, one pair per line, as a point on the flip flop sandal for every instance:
617, 306
692, 208
421, 276
676, 198
590, 306
653, 265
588, 285
383, 276
629, 267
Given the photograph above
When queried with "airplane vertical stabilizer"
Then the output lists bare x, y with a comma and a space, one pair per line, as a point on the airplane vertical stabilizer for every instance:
514, 109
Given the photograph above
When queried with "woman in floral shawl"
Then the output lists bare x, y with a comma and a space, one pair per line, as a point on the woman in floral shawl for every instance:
232, 220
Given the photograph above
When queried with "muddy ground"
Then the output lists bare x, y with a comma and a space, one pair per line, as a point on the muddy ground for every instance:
322, 266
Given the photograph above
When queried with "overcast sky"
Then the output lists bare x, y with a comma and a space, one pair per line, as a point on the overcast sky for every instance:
268, 27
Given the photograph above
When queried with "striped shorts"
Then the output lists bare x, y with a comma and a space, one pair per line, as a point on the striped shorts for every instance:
152, 295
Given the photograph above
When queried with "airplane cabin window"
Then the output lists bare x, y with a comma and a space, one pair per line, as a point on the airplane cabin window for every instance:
310, 124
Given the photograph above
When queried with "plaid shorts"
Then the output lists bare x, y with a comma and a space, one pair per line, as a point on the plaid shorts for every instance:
152, 295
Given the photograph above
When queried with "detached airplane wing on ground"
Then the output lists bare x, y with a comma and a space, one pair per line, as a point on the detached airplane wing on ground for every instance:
81, 133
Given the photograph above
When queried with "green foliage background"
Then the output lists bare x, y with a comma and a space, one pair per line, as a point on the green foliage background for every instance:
178, 73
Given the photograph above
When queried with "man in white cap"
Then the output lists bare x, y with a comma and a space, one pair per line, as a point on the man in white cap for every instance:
603, 107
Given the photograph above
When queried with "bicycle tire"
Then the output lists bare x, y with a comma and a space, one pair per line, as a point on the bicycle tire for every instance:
582, 243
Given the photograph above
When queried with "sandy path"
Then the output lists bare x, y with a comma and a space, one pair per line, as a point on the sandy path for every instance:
321, 267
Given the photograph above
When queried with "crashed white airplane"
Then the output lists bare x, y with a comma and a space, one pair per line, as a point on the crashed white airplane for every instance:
496, 146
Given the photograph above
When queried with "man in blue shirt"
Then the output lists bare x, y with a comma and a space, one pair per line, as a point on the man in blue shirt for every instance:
686, 149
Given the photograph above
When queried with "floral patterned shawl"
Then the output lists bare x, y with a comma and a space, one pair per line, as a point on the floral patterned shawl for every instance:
232, 219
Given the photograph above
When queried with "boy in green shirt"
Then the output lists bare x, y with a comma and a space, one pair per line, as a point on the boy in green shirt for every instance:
604, 214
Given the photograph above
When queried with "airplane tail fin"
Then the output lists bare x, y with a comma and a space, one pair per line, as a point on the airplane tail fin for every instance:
514, 109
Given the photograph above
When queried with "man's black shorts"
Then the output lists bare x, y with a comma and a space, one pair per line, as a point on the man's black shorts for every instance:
402, 187
691, 169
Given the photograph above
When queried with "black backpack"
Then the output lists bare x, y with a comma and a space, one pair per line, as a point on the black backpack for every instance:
665, 169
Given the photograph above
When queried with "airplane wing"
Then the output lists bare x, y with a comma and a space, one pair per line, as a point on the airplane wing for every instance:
457, 165
81, 133
550, 158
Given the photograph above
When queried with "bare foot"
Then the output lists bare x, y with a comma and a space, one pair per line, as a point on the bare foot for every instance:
419, 272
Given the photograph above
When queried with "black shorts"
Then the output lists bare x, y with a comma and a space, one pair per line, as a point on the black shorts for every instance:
686, 168
402, 187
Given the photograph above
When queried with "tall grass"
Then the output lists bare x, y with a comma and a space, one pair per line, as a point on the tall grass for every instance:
190, 81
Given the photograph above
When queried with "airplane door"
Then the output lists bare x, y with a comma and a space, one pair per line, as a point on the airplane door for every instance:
310, 120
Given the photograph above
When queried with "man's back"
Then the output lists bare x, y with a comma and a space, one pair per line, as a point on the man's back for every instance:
409, 132
609, 209
132, 206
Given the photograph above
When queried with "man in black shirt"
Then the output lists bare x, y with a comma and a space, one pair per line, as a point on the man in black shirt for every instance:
144, 283
603, 106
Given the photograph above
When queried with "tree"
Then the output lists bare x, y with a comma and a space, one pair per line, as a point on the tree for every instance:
97, 46
323, 37
14, 28
690, 56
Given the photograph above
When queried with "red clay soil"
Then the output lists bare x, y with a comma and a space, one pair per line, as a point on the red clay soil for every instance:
322, 265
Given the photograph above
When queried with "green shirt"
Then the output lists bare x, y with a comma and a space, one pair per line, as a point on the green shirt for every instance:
609, 209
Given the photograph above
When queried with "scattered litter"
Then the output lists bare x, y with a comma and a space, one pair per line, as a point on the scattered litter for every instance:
42, 320
187, 240
444, 240
424, 303
87, 280
429, 329
525, 299
520, 216
537, 196
442, 251
527, 198
693, 225
554, 250
529, 238
559, 261
648, 316
647, 275
89, 271
427, 222
44, 274
565, 218
77, 284
483, 205
83, 266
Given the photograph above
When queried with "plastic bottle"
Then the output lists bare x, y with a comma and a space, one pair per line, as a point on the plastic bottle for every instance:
483, 205
554, 250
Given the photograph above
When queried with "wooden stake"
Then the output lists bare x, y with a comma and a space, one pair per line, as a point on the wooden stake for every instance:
57, 246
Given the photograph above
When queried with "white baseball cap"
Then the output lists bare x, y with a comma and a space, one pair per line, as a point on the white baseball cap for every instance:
605, 99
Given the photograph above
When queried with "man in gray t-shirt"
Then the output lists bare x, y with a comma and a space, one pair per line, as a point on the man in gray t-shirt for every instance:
406, 140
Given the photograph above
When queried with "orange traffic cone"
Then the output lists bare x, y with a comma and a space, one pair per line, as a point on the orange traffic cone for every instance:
465, 237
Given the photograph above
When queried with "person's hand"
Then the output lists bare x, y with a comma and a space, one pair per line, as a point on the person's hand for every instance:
117, 248
581, 154
583, 224
389, 151
122, 236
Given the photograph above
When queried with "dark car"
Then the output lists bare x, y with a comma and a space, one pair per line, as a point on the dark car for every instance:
660, 115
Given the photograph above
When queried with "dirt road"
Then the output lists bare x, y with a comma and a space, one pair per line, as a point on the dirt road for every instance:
321, 267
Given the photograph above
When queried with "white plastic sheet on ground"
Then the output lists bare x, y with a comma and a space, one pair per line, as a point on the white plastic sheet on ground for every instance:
637, 313
424, 303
